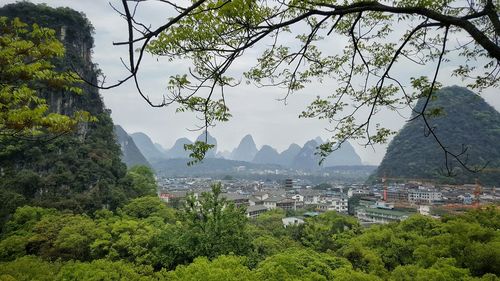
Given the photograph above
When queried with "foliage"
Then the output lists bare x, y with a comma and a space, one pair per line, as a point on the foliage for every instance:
29, 268
27, 70
46, 244
143, 180
215, 225
80, 170
148, 207
294, 40
411, 155
328, 231
229, 268
299, 264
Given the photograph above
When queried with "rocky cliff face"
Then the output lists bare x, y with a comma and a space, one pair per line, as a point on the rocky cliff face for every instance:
131, 155
81, 171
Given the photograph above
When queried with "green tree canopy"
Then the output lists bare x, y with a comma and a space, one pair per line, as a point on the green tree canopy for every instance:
214, 226
143, 180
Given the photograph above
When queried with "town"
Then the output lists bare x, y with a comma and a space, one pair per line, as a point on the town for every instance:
382, 202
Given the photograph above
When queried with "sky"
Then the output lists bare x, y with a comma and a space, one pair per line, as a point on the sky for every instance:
256, 111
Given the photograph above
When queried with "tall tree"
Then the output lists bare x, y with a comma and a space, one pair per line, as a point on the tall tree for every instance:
214, 225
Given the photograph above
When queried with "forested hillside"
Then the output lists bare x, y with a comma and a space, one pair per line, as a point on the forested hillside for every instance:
462, 120
80, 170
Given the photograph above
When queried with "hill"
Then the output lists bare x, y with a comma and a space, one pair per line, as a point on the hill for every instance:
147, 147
209, 140
308, 160
80, 171
466, 121
177, 150
287, 156
245, 151
345, 155
131, 155
267, 155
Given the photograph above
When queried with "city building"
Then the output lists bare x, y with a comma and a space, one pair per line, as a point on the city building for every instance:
255, 210
424, 196
291, 221
376, 215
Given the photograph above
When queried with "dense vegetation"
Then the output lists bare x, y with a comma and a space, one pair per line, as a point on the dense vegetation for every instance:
71, 211
80, 170
210, 239
461, 119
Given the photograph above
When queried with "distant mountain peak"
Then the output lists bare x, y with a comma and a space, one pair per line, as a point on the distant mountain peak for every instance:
177, 150
147, 147
246, 150
205, 136
267, 155
345, 155
131, 155
308, 159
318, 140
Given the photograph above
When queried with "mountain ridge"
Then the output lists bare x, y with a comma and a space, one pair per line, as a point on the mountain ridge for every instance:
147, 146
131, 155
466, 119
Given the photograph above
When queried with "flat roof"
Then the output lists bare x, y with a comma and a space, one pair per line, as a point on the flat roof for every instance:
387, 212
255, 208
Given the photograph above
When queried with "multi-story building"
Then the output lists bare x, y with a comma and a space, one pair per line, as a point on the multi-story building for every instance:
238, 199
311, 197
397, 195
255, 210
287, 204
280, 202
340, 203
424, 196
376, 215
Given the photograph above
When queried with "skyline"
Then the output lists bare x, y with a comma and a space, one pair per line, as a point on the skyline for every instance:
256, 111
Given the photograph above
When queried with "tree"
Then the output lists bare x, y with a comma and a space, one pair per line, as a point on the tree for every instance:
214, 226
299, 264
215, 34
26, 71
328, 231
209, 226
104, 270
143, 180
221, 268
149, 206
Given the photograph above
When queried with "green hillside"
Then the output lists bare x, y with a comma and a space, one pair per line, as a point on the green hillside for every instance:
79, 171
466, 121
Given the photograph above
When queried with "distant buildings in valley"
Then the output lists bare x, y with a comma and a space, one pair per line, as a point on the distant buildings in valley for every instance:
363, 201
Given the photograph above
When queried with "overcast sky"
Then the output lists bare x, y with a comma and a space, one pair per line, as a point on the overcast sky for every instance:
255, 111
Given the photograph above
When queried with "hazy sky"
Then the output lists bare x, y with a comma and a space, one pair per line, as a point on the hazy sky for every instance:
255, 111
